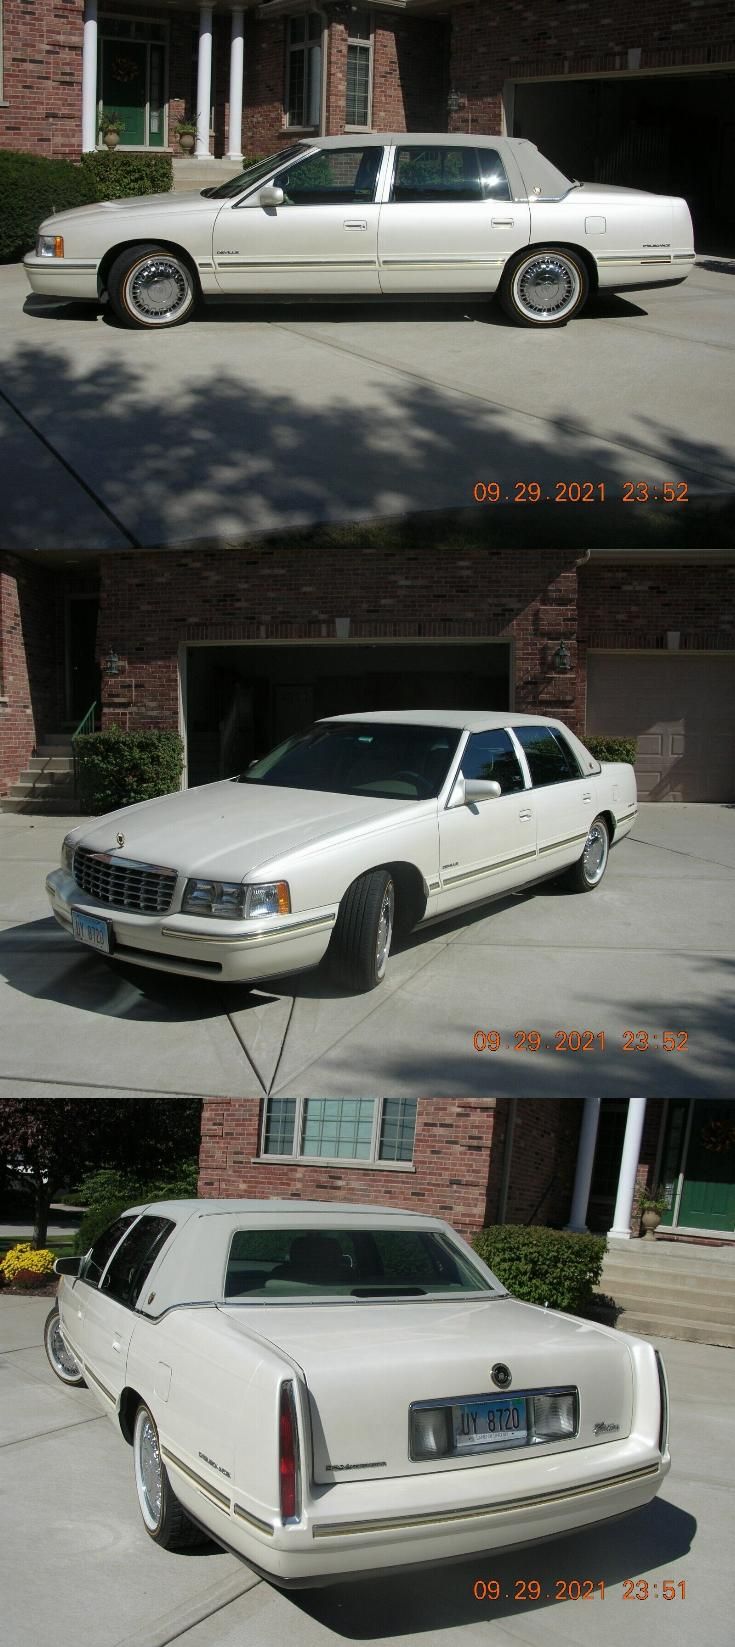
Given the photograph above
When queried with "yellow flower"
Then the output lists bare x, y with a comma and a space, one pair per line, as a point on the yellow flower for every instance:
24, 1256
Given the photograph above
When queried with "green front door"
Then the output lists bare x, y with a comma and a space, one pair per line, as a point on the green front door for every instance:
708, 1193
125, 88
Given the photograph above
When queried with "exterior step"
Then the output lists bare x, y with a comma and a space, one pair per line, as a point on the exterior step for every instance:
662, 1326
44, 784
637, 1275
685, 1306
190, 173
56, 738
49, 763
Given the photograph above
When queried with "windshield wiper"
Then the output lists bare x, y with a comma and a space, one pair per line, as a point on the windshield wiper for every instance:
388, 1292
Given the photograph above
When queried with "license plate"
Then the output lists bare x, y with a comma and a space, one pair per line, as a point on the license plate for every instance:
490, 1424
92, 930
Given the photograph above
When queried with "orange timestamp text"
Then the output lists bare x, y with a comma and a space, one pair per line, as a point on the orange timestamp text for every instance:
578, 1040
581, 491
579, 1589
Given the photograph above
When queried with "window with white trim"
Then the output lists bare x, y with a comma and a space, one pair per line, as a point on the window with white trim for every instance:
304, 71
359, 69
374, 1130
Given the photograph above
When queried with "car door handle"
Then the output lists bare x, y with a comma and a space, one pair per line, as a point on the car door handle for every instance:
526, 815
503, 222
355, 223
587, 797
116, 1345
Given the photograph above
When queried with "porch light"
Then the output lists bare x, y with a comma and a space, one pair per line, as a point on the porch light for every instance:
112, 663
561, 660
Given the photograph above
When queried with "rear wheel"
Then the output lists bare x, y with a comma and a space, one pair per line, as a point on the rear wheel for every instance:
61, 1360
164, 1518
363, 931
587, 873
151, 288
544, 287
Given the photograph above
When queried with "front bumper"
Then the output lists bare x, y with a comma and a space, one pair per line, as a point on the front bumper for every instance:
62, 276
226, 951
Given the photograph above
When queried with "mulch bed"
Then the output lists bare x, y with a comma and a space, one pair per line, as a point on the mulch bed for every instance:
48, 1290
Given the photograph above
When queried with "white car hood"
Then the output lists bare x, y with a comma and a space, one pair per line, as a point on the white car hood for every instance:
228, 829
189, 200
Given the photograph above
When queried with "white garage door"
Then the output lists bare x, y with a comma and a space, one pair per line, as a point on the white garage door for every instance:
681, 708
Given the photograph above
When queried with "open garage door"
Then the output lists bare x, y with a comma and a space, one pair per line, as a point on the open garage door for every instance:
674, 134
681, 708
241, 700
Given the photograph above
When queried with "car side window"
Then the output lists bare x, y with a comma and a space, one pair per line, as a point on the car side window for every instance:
491, 756
332, 177
134, 1260
549, 757
447, 172
495, 185
99, 1253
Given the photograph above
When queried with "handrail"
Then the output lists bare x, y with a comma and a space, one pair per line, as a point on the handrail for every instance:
86, 725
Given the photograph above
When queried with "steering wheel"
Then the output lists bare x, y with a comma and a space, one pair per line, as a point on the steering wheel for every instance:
417, 778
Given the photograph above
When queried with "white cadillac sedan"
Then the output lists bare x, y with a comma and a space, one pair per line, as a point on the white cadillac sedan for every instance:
387, 215
361, 825
331, 1390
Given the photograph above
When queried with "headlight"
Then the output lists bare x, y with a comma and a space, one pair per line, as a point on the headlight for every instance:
50, 245
553, 1417
231, 901
67, 853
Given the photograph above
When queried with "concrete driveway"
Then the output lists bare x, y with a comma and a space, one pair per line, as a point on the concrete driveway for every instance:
77, 1566
253, 419
652, 950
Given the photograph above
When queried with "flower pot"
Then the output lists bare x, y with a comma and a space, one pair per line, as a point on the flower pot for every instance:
186, 142
650, 1221
111, 139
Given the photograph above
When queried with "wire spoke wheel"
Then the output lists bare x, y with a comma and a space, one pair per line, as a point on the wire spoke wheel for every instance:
385, 930
595, 853
544, 287
158, 290
148, 1469
63, 1363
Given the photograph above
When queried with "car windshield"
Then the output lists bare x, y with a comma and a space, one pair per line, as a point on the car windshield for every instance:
256, 174
280, 1264
397, 761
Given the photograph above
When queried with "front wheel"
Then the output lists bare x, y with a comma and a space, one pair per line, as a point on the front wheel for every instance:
587, 873
61, 1360
151, 288
164, 1518
544, 287
363, 931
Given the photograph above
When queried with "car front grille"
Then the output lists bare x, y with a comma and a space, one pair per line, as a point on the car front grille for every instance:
146, 889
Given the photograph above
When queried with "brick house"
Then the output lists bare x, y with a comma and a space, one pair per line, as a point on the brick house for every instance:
571, 1163
638, 93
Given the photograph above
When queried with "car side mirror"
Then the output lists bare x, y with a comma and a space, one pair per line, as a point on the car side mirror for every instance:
67, 1266
271, 195
481, 789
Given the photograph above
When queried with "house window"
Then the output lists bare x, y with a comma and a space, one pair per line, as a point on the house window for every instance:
359, 69
304, 70
340, 1129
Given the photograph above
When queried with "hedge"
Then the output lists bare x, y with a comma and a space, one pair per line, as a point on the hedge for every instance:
613, 749
543, 1266
110, 1193
33, 187
118, 768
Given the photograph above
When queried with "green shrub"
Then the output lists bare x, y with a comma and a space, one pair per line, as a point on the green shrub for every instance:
108, 1193
116, 176
543, 1266
118, 768
613, 749
33, 187
97, 1220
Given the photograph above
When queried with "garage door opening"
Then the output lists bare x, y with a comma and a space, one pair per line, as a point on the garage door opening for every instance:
674, 134
242, 700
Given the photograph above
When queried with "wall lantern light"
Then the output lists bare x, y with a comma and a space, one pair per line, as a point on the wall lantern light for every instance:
562, 659
112, 663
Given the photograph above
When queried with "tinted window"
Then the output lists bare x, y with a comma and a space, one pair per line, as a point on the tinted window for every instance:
349, 1263
333, 177
550, 759
134, 1259
491, 756
448, 172
495, 183
105, 1244
254, 174
390, 759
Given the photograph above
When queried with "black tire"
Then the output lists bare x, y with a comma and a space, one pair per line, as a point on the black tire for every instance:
586, 874
358, 951
60, 1359
557, 276
152, 288
164, 1518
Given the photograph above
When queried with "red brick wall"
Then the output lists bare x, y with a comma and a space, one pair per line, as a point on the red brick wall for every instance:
545, 1139
42, 80
31, 661
152, 602
454, 1138
498, 40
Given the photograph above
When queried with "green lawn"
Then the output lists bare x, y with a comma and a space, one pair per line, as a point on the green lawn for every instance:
61, 1245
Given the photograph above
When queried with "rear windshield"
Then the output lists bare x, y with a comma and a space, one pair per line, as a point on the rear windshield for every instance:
354, 1263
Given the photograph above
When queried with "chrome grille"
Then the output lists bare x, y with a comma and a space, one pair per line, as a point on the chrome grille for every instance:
146, 889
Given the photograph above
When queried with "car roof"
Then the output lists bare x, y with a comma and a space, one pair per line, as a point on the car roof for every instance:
471, 720
370, 139
264, 1207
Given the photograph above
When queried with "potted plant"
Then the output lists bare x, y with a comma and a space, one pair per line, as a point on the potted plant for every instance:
186, 131
110, 126
651, 1205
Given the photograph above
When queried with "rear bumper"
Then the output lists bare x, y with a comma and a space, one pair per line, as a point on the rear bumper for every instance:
226, 951
641, 270
360, 1528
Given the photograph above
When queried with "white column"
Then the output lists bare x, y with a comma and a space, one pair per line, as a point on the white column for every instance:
237, 67
89, 77
585, 1163
628, 1169
204, 82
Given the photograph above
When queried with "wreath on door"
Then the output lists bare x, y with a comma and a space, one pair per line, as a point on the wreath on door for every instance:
125, 70
718, 1136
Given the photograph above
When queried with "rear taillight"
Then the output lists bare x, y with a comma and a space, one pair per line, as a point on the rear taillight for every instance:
289, 1471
